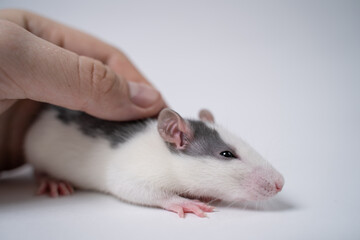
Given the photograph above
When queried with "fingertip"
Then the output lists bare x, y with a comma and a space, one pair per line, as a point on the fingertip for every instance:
126, 101
143, 95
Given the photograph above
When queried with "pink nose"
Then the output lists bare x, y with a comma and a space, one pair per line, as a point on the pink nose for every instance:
279, 185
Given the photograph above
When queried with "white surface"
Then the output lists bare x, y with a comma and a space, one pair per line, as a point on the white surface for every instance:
284, 75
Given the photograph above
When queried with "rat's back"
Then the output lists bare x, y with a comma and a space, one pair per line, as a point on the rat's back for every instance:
76, 147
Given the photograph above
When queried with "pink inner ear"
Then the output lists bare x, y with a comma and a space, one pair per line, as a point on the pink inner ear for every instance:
173, 128
206, 115
174, 134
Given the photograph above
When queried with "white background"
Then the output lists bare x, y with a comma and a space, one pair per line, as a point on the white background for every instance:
283, 75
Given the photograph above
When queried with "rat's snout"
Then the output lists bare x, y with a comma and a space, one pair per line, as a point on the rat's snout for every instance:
265, 183
279, 184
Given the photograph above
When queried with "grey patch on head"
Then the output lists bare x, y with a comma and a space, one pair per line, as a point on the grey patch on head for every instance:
206, 142
115, 132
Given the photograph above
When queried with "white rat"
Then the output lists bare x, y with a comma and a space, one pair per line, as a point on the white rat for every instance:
149, 162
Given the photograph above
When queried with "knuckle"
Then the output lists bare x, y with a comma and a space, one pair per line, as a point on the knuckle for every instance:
102, 79
97, 79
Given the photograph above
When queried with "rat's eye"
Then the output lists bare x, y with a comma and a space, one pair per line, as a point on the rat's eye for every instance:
227, 154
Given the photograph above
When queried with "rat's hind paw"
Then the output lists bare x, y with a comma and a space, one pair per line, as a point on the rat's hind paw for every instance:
189, 206
53, 187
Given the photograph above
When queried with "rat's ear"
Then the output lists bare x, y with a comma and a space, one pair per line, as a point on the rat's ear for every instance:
206, 115
173, 128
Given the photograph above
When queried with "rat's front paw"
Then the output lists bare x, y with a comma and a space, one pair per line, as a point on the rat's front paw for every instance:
183, 205
53, 187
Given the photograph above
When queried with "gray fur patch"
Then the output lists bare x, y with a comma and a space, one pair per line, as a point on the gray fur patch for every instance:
206, 142
115, 132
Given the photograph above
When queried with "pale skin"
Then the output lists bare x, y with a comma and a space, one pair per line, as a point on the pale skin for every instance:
42, 61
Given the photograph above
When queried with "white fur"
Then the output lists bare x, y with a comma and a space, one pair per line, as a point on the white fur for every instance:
143, 170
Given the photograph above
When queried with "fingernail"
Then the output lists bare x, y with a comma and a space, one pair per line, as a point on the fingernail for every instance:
142, 95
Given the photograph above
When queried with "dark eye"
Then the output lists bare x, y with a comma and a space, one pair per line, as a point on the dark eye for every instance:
227, 154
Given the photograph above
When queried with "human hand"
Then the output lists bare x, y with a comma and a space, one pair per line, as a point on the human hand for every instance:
44, 61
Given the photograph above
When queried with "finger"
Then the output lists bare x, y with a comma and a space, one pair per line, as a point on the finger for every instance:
54, 75
63, 189
53, 189
5, 104
13, 126
69, 187
75, 41
42, 188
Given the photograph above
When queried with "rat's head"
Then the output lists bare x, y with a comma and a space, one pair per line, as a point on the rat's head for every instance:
211, 162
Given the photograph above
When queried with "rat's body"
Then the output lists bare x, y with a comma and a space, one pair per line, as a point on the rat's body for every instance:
150, 162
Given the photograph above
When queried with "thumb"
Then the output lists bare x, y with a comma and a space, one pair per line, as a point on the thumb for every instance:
41, 71
109, 96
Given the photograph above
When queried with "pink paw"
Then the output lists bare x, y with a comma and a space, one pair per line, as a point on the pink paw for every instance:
53, 187
190, 206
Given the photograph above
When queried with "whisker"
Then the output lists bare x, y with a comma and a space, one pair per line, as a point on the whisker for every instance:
246, 205
232, 203
270, 204
213, 200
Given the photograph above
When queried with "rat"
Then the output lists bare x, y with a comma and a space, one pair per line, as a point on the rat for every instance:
169, 162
